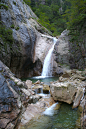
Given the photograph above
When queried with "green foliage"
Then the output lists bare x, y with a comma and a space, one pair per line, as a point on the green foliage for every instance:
4, 6
12, 26
28, 2
76, 18
49, 14
6, 35
72, 16
14, 2
17, 28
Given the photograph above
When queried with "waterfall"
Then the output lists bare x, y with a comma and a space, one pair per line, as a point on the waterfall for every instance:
50, 111
48, 62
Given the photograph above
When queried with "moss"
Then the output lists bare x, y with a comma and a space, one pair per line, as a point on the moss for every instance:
17, 28
14, 2
6, 36
4, 6
23, 2
12, 26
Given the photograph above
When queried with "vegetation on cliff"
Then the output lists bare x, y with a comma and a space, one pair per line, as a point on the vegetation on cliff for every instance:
59, 15
6, 36
76, 19
51, 14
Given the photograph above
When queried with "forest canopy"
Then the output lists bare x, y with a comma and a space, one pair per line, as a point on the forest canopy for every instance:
57, 15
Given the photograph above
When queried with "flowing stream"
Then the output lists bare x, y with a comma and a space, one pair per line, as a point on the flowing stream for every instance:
48, 62
53, 117
63, 118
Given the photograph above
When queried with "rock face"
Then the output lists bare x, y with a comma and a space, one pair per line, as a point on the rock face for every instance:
69, 88
63, 92
61, 49
19, 56
69, 54
14, 95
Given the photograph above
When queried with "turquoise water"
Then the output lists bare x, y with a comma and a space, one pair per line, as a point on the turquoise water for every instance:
46, 80
64, 118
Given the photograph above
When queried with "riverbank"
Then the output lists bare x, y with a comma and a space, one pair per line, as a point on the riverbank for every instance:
71, 85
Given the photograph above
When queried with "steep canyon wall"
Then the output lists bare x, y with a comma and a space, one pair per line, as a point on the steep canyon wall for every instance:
19, 55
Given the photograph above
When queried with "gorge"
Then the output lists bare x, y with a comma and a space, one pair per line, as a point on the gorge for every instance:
24, 44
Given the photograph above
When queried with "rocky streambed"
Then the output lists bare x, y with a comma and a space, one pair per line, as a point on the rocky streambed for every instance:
70, 88
19, 103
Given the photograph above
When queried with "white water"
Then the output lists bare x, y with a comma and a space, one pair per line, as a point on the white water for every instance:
50, 111
48, 62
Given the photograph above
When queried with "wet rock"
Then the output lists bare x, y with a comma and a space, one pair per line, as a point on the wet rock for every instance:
46, 89
37, 82
34, 110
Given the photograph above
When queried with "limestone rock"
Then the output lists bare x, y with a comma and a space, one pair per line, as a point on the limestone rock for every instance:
28, 83
78, 97
34, 110
63, 92
70, 87
37, 82
46, 88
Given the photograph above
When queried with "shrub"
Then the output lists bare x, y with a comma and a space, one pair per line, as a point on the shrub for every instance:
6, 35
4, 6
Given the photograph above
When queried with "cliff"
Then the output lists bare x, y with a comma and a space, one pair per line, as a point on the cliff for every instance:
24, 44
19, 31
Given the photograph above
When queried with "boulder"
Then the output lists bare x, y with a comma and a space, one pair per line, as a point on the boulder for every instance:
46, 89
37, 82
70, 87
64, 92
28, 83
78, 97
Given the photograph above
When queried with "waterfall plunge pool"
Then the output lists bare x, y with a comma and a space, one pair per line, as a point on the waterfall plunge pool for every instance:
63, 118
44, 79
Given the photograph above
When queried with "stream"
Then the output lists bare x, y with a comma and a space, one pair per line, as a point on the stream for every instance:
63, 118
53, 117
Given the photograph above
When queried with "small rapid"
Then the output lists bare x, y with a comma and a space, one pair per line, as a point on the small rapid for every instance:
50, 111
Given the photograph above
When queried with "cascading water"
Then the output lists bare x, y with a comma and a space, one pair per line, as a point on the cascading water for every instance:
48, 63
